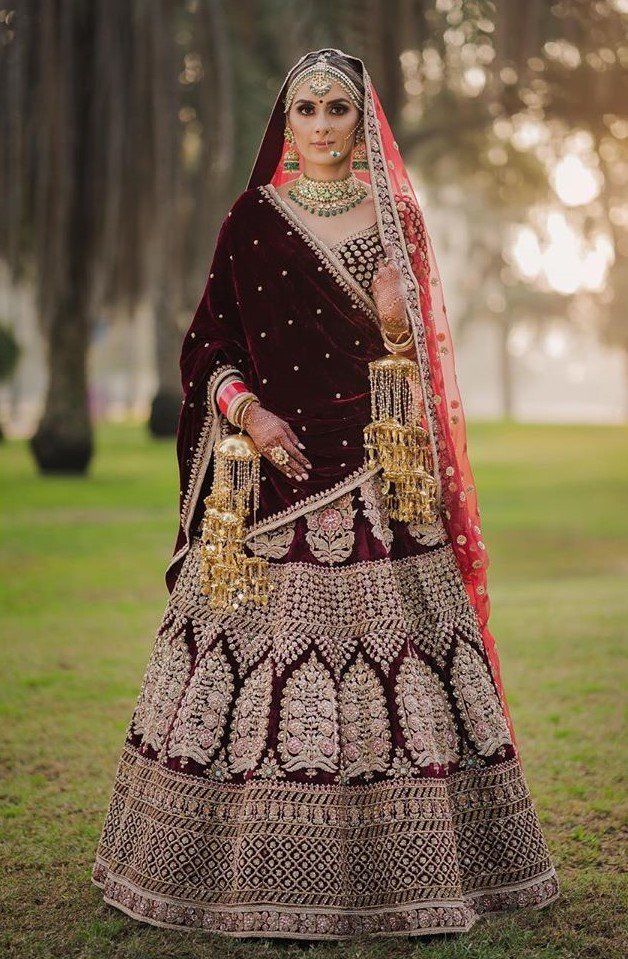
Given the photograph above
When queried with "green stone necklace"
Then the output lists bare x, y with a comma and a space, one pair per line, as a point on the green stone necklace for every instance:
327, 197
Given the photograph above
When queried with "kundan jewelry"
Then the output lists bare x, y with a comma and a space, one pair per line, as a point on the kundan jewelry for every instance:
327, 197
292, 156
359, 159
278, 454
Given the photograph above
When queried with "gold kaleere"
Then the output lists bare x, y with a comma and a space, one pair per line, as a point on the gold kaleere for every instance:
396, 441
228, 576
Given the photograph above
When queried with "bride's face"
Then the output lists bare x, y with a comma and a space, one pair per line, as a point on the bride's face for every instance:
321, 124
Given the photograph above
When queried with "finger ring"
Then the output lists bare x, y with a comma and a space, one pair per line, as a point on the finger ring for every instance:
279, 455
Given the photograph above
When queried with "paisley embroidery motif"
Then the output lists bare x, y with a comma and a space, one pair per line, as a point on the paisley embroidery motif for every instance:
375, 510
330, 533
250, 721
163, 683
203, 714
428, 534
478, 701
308, 727
364, 723
425, 714
274, 544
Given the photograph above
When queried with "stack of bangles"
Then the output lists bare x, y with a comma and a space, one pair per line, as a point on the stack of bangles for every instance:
234, 398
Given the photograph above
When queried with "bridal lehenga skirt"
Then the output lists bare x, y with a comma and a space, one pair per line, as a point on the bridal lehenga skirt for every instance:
336, 764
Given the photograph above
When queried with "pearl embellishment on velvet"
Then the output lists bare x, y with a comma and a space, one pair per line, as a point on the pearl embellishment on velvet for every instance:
296, 367
263, 333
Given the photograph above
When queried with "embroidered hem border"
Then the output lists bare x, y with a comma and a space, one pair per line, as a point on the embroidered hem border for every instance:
418, 919
427, 856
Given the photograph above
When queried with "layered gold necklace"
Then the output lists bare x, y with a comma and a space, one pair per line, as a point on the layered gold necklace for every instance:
327, 197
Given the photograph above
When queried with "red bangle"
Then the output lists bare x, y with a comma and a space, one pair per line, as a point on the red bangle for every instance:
228, 391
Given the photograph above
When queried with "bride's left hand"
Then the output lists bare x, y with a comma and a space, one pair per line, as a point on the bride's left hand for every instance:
388, 292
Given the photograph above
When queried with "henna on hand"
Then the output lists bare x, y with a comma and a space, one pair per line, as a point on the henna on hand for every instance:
268, 430
389, 295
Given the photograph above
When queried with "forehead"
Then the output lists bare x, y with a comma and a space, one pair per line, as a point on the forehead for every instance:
336, 91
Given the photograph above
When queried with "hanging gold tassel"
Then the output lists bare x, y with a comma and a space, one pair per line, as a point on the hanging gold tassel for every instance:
396, 442
229, 577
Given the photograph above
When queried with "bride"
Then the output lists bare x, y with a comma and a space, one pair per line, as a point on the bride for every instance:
321, 747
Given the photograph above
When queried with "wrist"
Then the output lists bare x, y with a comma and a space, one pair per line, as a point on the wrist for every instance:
250, 407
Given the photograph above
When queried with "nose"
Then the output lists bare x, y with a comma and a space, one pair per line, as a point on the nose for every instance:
322, 124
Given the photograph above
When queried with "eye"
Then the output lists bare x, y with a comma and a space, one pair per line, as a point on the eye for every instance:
304, 108
339, 108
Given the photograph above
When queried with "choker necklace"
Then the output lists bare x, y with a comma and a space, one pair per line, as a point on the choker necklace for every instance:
327, 197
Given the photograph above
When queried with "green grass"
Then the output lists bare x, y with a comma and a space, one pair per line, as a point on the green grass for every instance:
83, 591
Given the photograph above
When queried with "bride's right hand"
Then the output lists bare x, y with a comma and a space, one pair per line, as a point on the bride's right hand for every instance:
267, 431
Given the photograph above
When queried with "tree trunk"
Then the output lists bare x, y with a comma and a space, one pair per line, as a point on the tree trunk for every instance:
63, 442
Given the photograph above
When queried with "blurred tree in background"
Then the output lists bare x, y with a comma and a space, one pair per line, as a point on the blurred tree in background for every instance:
128, 127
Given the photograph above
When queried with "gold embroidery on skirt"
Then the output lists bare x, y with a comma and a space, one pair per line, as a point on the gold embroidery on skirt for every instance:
375, 510
425, 715
478, 701
164, 680
308, 726
364, 722
330, 533
250, 719
202, 715
274, 544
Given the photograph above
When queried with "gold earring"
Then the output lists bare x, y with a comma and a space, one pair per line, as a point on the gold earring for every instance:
359, 159
292, 157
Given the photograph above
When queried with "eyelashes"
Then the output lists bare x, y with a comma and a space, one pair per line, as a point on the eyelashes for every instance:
338, 110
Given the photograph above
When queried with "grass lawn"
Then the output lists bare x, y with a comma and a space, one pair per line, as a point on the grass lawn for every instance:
83, 592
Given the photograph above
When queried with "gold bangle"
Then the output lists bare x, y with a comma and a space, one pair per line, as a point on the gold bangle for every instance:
400, 346
390, 335
241, 411
238, 406
245, 411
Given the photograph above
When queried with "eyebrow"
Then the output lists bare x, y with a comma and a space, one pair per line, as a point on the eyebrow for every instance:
335, 100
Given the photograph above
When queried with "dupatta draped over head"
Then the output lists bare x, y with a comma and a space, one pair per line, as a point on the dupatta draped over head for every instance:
280, 309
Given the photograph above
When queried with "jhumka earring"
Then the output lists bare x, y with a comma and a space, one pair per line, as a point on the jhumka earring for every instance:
228, 576
359, 159
292, 156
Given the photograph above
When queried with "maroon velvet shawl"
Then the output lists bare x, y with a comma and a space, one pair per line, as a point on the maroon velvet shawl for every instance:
279, 308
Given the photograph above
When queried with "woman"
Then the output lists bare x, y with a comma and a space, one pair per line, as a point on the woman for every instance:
338, 760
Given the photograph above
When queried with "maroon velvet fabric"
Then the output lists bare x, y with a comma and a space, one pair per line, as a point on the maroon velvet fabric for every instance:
264, 274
